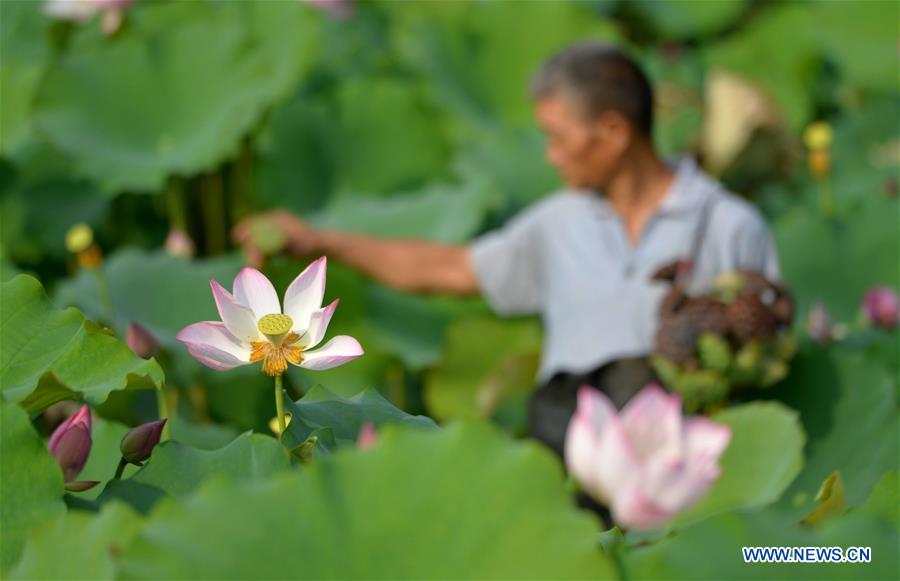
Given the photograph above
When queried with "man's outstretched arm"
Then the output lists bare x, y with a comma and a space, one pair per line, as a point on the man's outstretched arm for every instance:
403, 264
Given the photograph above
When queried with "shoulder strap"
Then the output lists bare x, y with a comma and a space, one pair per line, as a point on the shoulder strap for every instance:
699, 235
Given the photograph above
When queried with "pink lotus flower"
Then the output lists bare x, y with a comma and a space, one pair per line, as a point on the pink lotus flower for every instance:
646, 463
70, 444
880, 307
254, 328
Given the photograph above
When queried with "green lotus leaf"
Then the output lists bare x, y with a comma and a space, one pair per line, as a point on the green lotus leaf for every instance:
90, 543
31, 483
344, 416
848, 405
763, 458
487, 360
461, 503
161, 99
178, 469
24, 55
162, 293
50, 354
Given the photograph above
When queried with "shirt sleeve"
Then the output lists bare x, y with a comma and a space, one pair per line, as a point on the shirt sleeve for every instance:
507, 265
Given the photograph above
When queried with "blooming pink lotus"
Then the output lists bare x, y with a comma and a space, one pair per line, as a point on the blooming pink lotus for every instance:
646, 462
254, 327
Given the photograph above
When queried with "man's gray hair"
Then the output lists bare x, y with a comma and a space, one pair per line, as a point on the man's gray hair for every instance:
597, 77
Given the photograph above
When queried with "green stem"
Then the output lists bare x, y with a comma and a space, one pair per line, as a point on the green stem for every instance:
174, 196
103, 291
279, 407
122, 464
212, 193
162, 405
826, 197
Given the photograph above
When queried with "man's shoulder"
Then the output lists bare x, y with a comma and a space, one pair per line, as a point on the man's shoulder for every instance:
732, 212
558, 203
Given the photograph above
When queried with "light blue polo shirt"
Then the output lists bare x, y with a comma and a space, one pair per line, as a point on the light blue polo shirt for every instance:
567, 258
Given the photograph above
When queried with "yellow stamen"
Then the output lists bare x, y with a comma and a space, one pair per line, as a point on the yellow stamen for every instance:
275, 358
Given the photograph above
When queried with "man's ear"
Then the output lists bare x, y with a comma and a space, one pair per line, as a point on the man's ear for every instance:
614, 130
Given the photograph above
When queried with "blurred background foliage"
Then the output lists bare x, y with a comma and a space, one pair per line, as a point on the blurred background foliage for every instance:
412, 119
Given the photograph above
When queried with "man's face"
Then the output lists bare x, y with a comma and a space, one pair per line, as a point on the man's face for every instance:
585, 152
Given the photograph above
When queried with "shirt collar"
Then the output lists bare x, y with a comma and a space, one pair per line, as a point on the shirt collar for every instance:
683, 196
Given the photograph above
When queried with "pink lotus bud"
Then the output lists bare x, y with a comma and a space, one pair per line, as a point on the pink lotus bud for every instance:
138, 443
70, 443
141, 341
819, 326
179, 244
367, 436
646, 462
880, 307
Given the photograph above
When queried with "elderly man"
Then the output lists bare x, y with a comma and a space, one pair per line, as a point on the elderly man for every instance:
582, 258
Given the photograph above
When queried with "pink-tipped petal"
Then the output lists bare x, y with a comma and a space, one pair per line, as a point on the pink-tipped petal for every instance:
338, 351
618, 465
81, 417
318, 324
253, 290
81, 485
237, 318
633, 510
704, 438
652, 420
214, 346
581, 452
305, 293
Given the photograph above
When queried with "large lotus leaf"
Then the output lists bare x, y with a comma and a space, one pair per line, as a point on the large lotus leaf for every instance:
50, 355
461, 503
836, 261
862, 38
162, 293
413, 328
781, 52
885, 499
178, 469
90, 543
161, 98
765, 454
689, 19
848, 404
293, 169
480, 56
386, 137
486, 361
345, 416
24, 55
513, 161
442, 213
31, 483
719, 540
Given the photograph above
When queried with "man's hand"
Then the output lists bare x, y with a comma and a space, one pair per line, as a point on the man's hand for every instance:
275, 231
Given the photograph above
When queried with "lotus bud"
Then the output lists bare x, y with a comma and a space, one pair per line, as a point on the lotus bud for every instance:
141, 341
367, 436
70, 443
819, 326
880, 307
179, 243
138, 443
